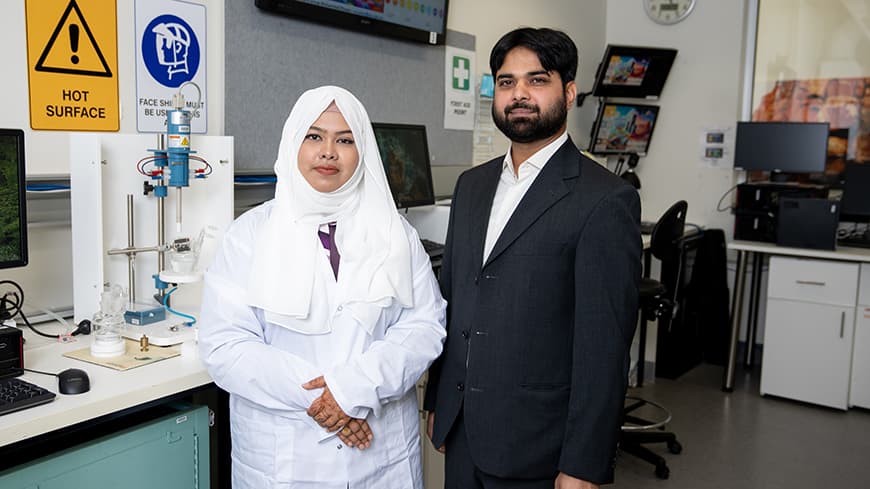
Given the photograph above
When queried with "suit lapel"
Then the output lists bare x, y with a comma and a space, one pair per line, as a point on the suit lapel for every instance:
548, 188
482, 207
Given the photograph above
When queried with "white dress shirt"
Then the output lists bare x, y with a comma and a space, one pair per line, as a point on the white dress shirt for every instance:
371, 370
512, 188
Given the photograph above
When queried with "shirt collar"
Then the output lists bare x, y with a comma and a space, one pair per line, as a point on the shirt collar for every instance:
541, 157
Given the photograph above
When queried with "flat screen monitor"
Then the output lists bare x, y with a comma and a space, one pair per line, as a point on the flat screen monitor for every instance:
414, 21
633, 71
405, 154
623, 129
13, 212
781, 147
855, 204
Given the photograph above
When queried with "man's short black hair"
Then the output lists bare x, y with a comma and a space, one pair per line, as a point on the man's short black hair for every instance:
556, 51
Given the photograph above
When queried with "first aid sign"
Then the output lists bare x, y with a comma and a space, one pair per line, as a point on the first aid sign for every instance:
72, 57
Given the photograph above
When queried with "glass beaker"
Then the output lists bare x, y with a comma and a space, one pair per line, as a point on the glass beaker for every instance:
108, 322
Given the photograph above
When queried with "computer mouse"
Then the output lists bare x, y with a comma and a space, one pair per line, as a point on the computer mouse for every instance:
73, 381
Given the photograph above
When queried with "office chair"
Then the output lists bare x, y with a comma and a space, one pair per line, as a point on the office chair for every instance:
656, 301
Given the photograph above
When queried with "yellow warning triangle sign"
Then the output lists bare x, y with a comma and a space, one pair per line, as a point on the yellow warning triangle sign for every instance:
72, 48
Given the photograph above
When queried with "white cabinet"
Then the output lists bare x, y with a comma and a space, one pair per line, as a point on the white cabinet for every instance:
859, 394
809, 330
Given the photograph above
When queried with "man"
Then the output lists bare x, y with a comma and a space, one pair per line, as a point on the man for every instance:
540, 272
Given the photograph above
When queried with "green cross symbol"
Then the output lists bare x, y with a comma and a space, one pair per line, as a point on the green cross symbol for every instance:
461, 73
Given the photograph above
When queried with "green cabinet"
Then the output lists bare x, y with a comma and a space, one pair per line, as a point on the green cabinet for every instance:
170, 452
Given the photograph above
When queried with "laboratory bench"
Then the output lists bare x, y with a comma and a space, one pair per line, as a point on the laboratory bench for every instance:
117, 401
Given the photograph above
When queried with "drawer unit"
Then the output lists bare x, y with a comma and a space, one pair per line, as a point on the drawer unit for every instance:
807, 352
809, 329
818, 281
166, 453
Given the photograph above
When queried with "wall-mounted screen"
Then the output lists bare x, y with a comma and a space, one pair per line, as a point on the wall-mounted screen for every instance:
421, 21
633, 71
623, 129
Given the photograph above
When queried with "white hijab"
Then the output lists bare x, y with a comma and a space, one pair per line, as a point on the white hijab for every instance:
375, 266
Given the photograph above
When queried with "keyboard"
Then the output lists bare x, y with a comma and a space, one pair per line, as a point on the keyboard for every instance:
432, 248
17, 394
855, 242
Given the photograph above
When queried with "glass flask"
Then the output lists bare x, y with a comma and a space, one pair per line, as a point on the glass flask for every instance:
108, 323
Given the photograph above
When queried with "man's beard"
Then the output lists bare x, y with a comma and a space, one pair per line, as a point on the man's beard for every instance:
529, 129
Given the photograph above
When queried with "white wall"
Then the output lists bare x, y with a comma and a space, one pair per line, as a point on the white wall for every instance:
703, 90
47, 280
488, 20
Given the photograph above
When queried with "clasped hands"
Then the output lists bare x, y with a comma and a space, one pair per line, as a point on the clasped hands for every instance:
354, 432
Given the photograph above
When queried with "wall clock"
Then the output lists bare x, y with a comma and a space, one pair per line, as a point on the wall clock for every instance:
668, 12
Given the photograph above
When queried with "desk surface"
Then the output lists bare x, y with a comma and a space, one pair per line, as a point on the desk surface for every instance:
844, 253
111, 390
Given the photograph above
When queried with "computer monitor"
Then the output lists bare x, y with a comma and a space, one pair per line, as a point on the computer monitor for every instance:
13, 212
781, 147
405, 154
855, 203
623, 129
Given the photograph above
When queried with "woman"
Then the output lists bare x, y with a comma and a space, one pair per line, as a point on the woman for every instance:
320, 313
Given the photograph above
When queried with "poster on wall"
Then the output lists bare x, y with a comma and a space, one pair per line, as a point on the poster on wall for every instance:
170, 51
844, 103
72, 65
458, 89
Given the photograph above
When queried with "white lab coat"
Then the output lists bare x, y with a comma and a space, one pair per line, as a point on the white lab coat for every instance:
370, 369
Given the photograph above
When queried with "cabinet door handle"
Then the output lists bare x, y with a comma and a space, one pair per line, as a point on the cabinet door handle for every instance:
810, 282
842, 322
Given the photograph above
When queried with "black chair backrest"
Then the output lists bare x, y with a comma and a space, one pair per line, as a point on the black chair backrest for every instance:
668, 231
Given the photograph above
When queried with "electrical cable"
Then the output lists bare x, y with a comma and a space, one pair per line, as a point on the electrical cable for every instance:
10, 302
39, 372
40, 333
173, 311
205, 162
11, 305
83, 327
620, 162
198, 92
140, 165
719, 204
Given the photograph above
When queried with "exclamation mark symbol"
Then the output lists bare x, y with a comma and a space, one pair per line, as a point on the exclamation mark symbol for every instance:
74, 42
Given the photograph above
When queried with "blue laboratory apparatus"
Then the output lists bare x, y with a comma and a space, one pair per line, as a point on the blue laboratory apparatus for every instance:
169, 166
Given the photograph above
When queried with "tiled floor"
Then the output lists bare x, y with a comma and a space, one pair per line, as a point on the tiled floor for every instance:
743, 440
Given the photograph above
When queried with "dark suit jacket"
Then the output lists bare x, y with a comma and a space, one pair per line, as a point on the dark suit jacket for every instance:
537, 348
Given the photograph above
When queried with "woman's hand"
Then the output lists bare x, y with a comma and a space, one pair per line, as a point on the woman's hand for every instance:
324, 409
356, 433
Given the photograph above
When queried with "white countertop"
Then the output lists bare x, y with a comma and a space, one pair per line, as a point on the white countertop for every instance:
844, 253
111, 390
